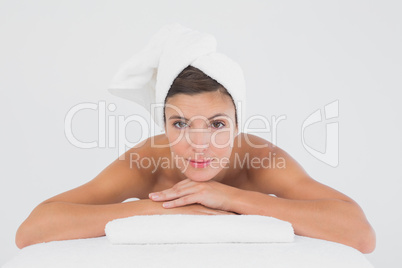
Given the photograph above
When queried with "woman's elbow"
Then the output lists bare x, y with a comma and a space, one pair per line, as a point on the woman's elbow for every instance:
367, 241
23, 237
32, 230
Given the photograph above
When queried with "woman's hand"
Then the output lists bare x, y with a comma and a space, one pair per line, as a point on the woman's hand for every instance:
211, 194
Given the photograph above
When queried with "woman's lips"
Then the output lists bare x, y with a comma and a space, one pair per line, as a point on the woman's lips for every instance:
199, 164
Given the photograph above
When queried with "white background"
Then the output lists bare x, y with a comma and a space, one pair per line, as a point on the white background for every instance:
297, 57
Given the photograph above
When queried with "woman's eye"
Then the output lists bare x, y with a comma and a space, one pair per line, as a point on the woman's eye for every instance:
179, 124
218, 124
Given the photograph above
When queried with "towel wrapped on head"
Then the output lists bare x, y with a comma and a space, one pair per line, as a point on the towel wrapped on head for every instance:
147, 77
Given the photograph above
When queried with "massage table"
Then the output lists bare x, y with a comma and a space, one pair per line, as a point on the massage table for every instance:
99, 252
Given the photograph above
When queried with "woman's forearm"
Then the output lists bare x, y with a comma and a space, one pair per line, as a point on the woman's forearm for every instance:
62, 220
329, 219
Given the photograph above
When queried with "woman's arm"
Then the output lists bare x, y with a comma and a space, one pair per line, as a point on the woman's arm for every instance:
83, 212
64, 220
329, 219
314, 209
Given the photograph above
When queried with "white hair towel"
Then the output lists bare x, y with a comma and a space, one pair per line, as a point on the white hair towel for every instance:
147, 77
182, 228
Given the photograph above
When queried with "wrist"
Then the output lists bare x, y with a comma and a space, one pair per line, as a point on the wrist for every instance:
236, 200
250, 203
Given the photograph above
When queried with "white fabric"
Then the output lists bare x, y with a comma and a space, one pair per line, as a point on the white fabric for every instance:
100, 253
177, 228
146, 78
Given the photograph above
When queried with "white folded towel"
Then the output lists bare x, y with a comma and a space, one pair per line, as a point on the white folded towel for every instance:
183, 228
147, 77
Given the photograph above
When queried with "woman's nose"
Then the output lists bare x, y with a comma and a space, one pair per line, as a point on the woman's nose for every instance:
199, 139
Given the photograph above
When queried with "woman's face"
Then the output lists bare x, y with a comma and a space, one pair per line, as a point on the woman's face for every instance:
201, 129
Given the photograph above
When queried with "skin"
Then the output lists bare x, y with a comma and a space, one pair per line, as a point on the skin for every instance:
283, 190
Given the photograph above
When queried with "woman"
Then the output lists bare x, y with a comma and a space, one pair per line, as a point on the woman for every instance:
221, 181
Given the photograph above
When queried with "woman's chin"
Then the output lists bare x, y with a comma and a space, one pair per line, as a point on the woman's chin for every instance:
200, 179
202, 175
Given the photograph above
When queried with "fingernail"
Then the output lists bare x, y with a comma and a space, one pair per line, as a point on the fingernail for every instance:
166, 205
154, 196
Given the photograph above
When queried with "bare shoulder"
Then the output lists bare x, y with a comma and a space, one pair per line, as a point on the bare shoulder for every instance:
271, 170
142, 158
259, 154
253, 147
267, 162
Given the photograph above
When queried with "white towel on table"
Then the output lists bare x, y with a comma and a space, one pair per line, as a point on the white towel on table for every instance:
182, 228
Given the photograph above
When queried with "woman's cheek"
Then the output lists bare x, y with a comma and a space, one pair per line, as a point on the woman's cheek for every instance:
222, 139
175, 137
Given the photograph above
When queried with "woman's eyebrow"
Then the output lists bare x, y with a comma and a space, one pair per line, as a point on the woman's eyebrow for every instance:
183, 118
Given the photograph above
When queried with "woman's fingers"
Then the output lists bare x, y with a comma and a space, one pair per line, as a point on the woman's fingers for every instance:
183, 201
179, 190
210, 194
